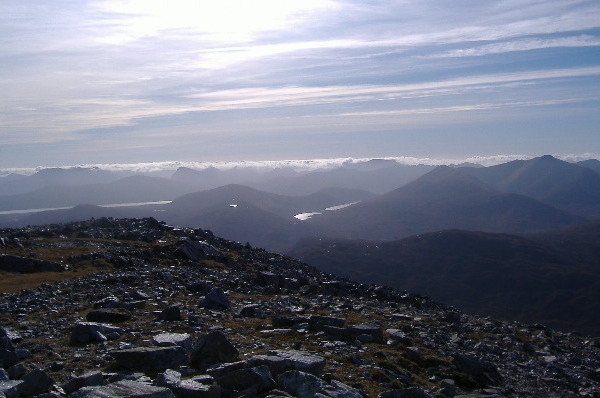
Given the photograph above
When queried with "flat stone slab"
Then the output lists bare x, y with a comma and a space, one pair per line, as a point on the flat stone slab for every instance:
150, 358
173, 339
128, 389
302, 360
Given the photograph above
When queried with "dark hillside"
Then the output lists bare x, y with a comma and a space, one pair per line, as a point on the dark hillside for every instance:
552, 278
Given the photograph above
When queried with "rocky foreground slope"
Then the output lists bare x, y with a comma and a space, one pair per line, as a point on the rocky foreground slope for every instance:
143, 309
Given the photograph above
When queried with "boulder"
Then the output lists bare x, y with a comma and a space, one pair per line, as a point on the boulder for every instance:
302, 360
170, 314
196, 250
36, 382
411, 392
173, 339
150, 358
194, 389
301, 384
10, 388
216, 299
252, 311
86, 380
110, 315
8, 355
258, 379
374, 332
213, 348
276, 364
126, 389
92, 332
482, 372
316, 321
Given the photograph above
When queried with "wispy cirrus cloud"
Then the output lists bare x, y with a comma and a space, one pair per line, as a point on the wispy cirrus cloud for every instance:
102, 73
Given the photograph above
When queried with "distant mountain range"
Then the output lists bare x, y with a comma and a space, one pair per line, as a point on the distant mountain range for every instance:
444, 198
516, 197
517, 240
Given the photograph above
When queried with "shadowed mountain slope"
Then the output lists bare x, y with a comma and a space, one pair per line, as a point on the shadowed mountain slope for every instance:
564, 185
444, 198
286, 206
131, 189
551, 278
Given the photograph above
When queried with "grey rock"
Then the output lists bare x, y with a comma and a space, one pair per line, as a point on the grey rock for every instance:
11, 388
86, 380
125, 389
150, 358
483, 372
216, 299
411, 392
252, 311
194, 389
8, 355
92, 332
196, 250
169, 378
213, 348
110, 315
36, 382
171, 314
17, 371
173, 339
398, 336
258, 378
301, 384
316, 321
368, 329
340, 390
268, 279
276, 364
12, 334
302, 360
3, 375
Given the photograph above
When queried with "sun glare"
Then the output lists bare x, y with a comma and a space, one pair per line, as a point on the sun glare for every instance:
225, 20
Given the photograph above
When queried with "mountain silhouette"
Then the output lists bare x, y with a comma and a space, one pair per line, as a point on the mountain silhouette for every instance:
445, 198
551, 278
564, 185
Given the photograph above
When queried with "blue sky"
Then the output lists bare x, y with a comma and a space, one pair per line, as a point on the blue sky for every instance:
151, 81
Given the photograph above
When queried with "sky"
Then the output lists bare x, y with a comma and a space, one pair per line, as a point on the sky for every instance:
128, 81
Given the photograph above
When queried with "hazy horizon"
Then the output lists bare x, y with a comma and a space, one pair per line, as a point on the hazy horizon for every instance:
112, 82
296, 164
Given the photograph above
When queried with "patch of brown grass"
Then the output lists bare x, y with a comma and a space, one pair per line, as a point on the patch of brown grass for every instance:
12, 283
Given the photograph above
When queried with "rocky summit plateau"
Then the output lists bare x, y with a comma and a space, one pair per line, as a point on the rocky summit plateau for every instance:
138, 308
